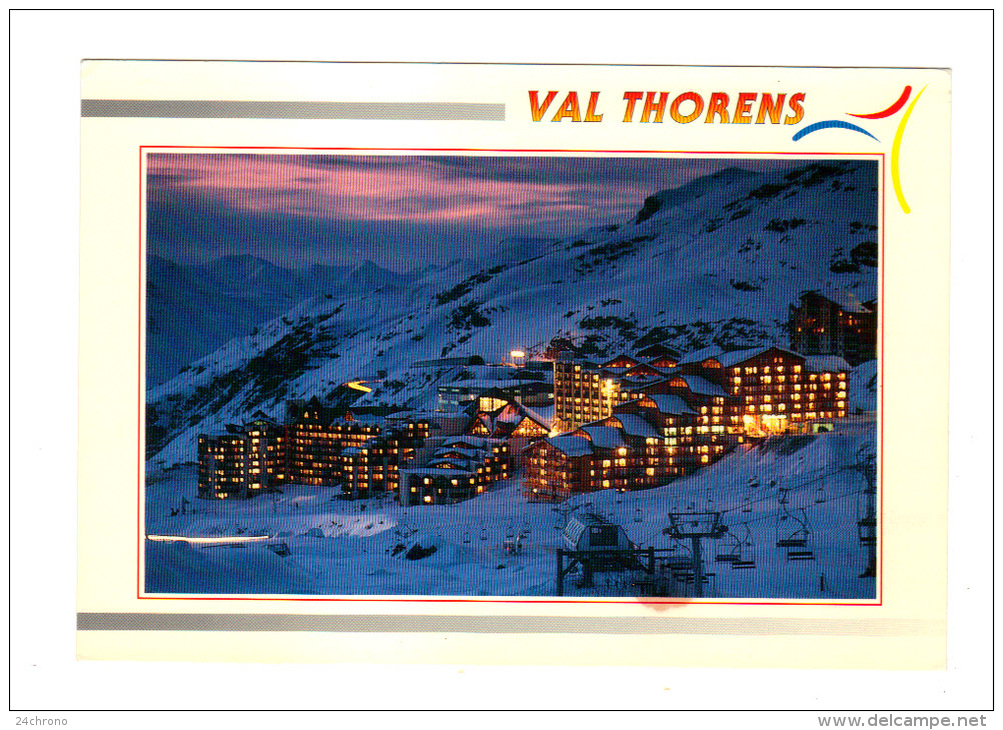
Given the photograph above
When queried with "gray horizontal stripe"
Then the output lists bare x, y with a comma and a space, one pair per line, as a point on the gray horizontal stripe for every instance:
504, 624
206, 109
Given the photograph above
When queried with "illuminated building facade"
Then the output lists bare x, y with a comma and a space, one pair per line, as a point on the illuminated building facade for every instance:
374, 467
222, 466
461, 468
586, 391
316, 446
834, 324
692, 413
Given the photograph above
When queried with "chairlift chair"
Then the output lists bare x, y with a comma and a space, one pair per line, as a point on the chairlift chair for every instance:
796, 539
732, 556
747, 561
796, 555
799, 540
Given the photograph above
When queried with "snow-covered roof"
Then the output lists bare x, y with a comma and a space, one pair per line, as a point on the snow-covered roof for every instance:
847, 301
474, 441
622, 356
367, 419
460, 464
543, 416
488, 384
826, 364
510, 416
571, 445
700, 355
702, 386
670, 404
468, 453
634, 425
657, 350
491, 372
648, 366
735, 357
605, 437
430, 416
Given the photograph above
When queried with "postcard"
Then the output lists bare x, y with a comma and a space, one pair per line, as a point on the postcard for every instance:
373, 354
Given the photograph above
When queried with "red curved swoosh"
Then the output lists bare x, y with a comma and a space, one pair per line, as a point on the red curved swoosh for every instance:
890, 110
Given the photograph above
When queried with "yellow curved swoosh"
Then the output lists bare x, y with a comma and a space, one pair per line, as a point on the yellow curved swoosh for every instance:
896, 143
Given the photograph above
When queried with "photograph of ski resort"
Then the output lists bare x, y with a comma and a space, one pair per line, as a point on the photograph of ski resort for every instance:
572, 378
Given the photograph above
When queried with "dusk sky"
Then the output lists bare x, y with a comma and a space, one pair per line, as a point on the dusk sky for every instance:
400, 212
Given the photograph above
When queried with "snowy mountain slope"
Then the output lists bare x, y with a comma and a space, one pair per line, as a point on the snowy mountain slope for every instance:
715, 261
192, 310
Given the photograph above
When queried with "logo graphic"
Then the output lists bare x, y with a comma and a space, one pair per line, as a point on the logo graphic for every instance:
896, 141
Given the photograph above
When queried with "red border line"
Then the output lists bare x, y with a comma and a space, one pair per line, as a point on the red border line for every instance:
690, 153
881, 399
140, 382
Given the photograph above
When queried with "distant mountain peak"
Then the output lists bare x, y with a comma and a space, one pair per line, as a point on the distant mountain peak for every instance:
673, 197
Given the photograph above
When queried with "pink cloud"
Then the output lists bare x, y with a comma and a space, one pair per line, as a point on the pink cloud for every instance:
420, 190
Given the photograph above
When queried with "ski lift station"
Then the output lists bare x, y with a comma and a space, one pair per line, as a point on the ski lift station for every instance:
592, 533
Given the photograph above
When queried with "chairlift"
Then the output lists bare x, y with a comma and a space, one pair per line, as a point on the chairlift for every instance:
731, 556
787, 538
466, 536
797, 543
747, 546
638, 515
484, 533
867, 523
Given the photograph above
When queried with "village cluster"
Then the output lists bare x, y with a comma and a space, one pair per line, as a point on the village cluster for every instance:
633, 421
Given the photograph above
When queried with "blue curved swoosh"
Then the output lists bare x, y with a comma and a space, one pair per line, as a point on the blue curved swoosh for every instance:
830, 123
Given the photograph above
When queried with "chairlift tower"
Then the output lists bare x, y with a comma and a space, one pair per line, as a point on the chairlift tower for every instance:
696, 526
867, 523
